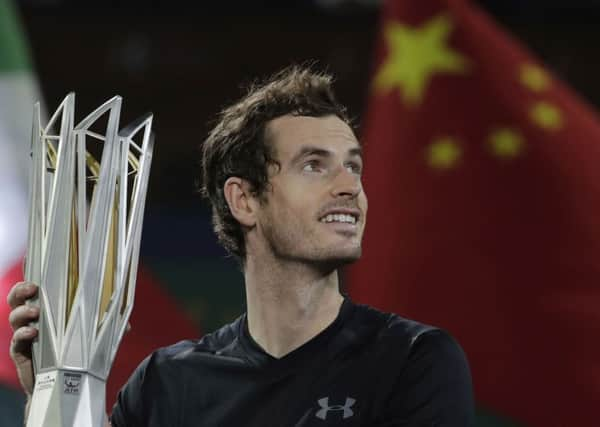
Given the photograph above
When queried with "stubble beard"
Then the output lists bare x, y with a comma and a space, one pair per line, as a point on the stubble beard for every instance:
293, 243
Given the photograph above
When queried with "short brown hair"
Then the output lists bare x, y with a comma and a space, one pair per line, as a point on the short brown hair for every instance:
237, 145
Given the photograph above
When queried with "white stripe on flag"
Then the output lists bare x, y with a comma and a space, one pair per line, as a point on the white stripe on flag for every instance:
18, 92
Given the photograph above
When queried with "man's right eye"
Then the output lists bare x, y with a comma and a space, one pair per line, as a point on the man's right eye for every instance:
311, 166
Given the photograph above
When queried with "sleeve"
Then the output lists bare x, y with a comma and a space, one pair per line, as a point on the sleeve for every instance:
128, 410
434, 387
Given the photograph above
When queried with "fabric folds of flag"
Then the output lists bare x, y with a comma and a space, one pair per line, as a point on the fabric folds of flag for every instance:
483, 178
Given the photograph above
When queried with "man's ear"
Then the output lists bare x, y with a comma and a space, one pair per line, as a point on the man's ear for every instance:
242, 203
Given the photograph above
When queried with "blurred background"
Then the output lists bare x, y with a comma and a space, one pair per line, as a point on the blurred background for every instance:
184, 61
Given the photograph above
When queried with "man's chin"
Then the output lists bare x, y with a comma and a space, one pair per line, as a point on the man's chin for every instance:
340, 258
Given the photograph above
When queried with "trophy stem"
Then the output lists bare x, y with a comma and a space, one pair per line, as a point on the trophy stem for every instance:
67, 398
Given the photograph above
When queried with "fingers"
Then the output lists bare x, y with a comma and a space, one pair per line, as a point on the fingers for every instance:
22, 316
20, 293
20, 346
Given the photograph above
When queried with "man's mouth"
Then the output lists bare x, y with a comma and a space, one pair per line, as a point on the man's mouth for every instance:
341, 215
342, 218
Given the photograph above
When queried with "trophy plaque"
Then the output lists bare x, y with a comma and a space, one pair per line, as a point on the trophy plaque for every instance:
87, 192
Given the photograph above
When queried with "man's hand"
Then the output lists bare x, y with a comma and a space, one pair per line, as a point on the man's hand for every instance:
20, 346
19, 318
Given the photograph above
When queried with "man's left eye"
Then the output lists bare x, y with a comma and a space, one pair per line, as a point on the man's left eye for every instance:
354, 168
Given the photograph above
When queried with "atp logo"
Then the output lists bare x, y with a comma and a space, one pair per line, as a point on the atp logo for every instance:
326, 409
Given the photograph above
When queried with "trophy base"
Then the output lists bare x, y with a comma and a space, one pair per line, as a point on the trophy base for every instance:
65, 398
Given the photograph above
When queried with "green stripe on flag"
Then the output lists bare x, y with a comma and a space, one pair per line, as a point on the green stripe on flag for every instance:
13, 50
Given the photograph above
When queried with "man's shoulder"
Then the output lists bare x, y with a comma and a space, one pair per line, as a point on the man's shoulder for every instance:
396, 333
215, 342
391, 325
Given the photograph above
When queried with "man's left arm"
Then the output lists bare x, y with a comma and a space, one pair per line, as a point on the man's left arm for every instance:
434, 388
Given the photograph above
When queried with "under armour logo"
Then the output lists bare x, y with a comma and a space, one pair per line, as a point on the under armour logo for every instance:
325, 408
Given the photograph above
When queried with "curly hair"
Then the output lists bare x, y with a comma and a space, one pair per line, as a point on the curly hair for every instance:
237, 145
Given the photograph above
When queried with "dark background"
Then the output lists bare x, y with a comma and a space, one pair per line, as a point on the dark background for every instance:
184, 61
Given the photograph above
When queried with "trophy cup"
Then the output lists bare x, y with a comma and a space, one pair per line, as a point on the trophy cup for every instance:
85, 227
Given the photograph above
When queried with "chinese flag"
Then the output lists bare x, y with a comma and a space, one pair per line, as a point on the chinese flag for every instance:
483, 177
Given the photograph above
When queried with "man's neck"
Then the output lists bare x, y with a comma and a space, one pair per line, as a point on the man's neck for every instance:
289, 303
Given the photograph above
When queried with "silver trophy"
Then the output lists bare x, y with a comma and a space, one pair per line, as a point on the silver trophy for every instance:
85, 227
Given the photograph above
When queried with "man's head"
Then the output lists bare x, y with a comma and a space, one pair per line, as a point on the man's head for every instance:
282, 167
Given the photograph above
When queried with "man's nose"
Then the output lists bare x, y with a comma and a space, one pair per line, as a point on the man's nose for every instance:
346, 183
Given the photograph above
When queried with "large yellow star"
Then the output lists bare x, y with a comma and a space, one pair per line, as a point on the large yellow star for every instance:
415, 55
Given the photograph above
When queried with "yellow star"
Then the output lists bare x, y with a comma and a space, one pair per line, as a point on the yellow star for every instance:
506, 142
534, 78
443, 153
415, 55
546, 115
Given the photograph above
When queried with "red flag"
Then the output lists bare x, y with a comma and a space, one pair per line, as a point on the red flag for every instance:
483, 177
156, 321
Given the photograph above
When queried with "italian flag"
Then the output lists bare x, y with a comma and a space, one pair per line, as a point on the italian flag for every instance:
18, 92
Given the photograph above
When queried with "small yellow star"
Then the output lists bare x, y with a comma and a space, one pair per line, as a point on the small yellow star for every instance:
546, 115
443, 153
534, 77
506, 142
415, 55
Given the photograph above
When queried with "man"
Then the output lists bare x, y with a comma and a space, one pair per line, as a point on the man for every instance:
282, 170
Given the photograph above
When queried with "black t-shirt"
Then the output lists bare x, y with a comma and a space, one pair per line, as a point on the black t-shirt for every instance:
367, 368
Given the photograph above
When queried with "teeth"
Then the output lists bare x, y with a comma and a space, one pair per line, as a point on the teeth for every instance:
351, 219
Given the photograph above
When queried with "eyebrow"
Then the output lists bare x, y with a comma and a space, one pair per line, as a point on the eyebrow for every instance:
308, 150
356, 151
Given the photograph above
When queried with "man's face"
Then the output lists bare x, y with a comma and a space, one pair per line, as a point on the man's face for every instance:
315, 209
